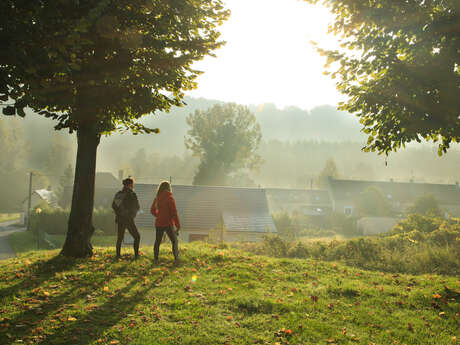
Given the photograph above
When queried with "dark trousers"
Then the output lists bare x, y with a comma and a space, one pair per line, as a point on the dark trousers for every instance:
159, 237
128, 223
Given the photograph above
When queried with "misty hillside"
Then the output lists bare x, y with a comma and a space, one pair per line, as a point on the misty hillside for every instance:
323, 123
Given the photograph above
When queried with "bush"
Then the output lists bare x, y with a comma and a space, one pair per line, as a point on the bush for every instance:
104, 220
426, 204
275, 246
418, 244
312, 233
291, 227
422, 223
54, 220
298, 251
48, 219
285, 225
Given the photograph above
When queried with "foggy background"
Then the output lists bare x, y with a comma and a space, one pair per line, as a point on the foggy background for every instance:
295, 146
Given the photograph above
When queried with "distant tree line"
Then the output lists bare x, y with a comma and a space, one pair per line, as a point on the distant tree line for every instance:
31, 144
25, 149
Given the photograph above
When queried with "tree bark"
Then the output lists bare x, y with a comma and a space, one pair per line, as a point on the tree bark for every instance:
80, 227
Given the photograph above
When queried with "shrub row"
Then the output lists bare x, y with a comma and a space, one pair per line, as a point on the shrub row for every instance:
293, 226
417, 245
54, 220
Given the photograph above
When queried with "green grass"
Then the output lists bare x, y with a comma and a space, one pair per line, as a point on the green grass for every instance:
218, 296
6, 217
23, 241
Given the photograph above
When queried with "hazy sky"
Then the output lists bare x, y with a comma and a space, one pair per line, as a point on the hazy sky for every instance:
268, 57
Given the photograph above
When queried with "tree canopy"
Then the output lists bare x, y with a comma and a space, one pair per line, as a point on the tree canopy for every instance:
425, 204
372, 203
225, 138
402, 76
106, 62
98, 66
329, 170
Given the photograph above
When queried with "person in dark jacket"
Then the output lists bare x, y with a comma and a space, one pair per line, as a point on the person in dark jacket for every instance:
165, 211
126, 205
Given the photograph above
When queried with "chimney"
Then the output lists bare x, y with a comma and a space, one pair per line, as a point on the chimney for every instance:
120, 174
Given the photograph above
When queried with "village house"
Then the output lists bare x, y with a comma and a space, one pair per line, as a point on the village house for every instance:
38, 197
307, 202
229, 213
400, 195
224, 213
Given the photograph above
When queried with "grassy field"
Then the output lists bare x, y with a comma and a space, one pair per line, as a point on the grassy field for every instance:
6, 217
219, 296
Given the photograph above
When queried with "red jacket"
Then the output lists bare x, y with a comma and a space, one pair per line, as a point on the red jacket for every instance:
165, 211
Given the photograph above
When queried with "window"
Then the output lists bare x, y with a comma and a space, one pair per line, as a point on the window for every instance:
348, 210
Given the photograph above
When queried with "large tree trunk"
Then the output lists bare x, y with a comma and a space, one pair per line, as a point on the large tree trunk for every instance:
80, 227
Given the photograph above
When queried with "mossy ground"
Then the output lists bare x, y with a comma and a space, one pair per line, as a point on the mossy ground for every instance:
219, 296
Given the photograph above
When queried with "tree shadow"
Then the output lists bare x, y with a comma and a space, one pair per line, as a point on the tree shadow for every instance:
98, 319
40, 272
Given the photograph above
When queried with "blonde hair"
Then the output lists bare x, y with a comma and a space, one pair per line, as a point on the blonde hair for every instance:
165, 185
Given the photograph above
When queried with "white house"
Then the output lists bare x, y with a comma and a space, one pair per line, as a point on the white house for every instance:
38, 196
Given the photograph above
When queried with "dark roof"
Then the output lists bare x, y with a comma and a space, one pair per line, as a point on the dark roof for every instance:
404, 192
107, 180
204, 207
299, 196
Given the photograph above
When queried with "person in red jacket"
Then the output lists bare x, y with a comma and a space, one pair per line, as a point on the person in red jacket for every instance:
165, 211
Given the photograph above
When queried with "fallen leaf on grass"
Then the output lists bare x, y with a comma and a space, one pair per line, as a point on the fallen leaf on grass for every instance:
71, 318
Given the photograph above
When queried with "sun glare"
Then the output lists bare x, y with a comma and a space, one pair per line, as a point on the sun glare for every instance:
268, 57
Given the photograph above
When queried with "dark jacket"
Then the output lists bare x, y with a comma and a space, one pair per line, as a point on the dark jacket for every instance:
129, 204
165, 211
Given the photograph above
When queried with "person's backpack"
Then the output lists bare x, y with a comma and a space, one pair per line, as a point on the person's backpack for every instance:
118, 204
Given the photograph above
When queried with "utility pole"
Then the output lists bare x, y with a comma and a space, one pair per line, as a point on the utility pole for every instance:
29, 203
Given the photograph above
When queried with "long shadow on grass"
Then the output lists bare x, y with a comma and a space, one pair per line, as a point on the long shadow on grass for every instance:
103, 317
44, 306
40, 272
